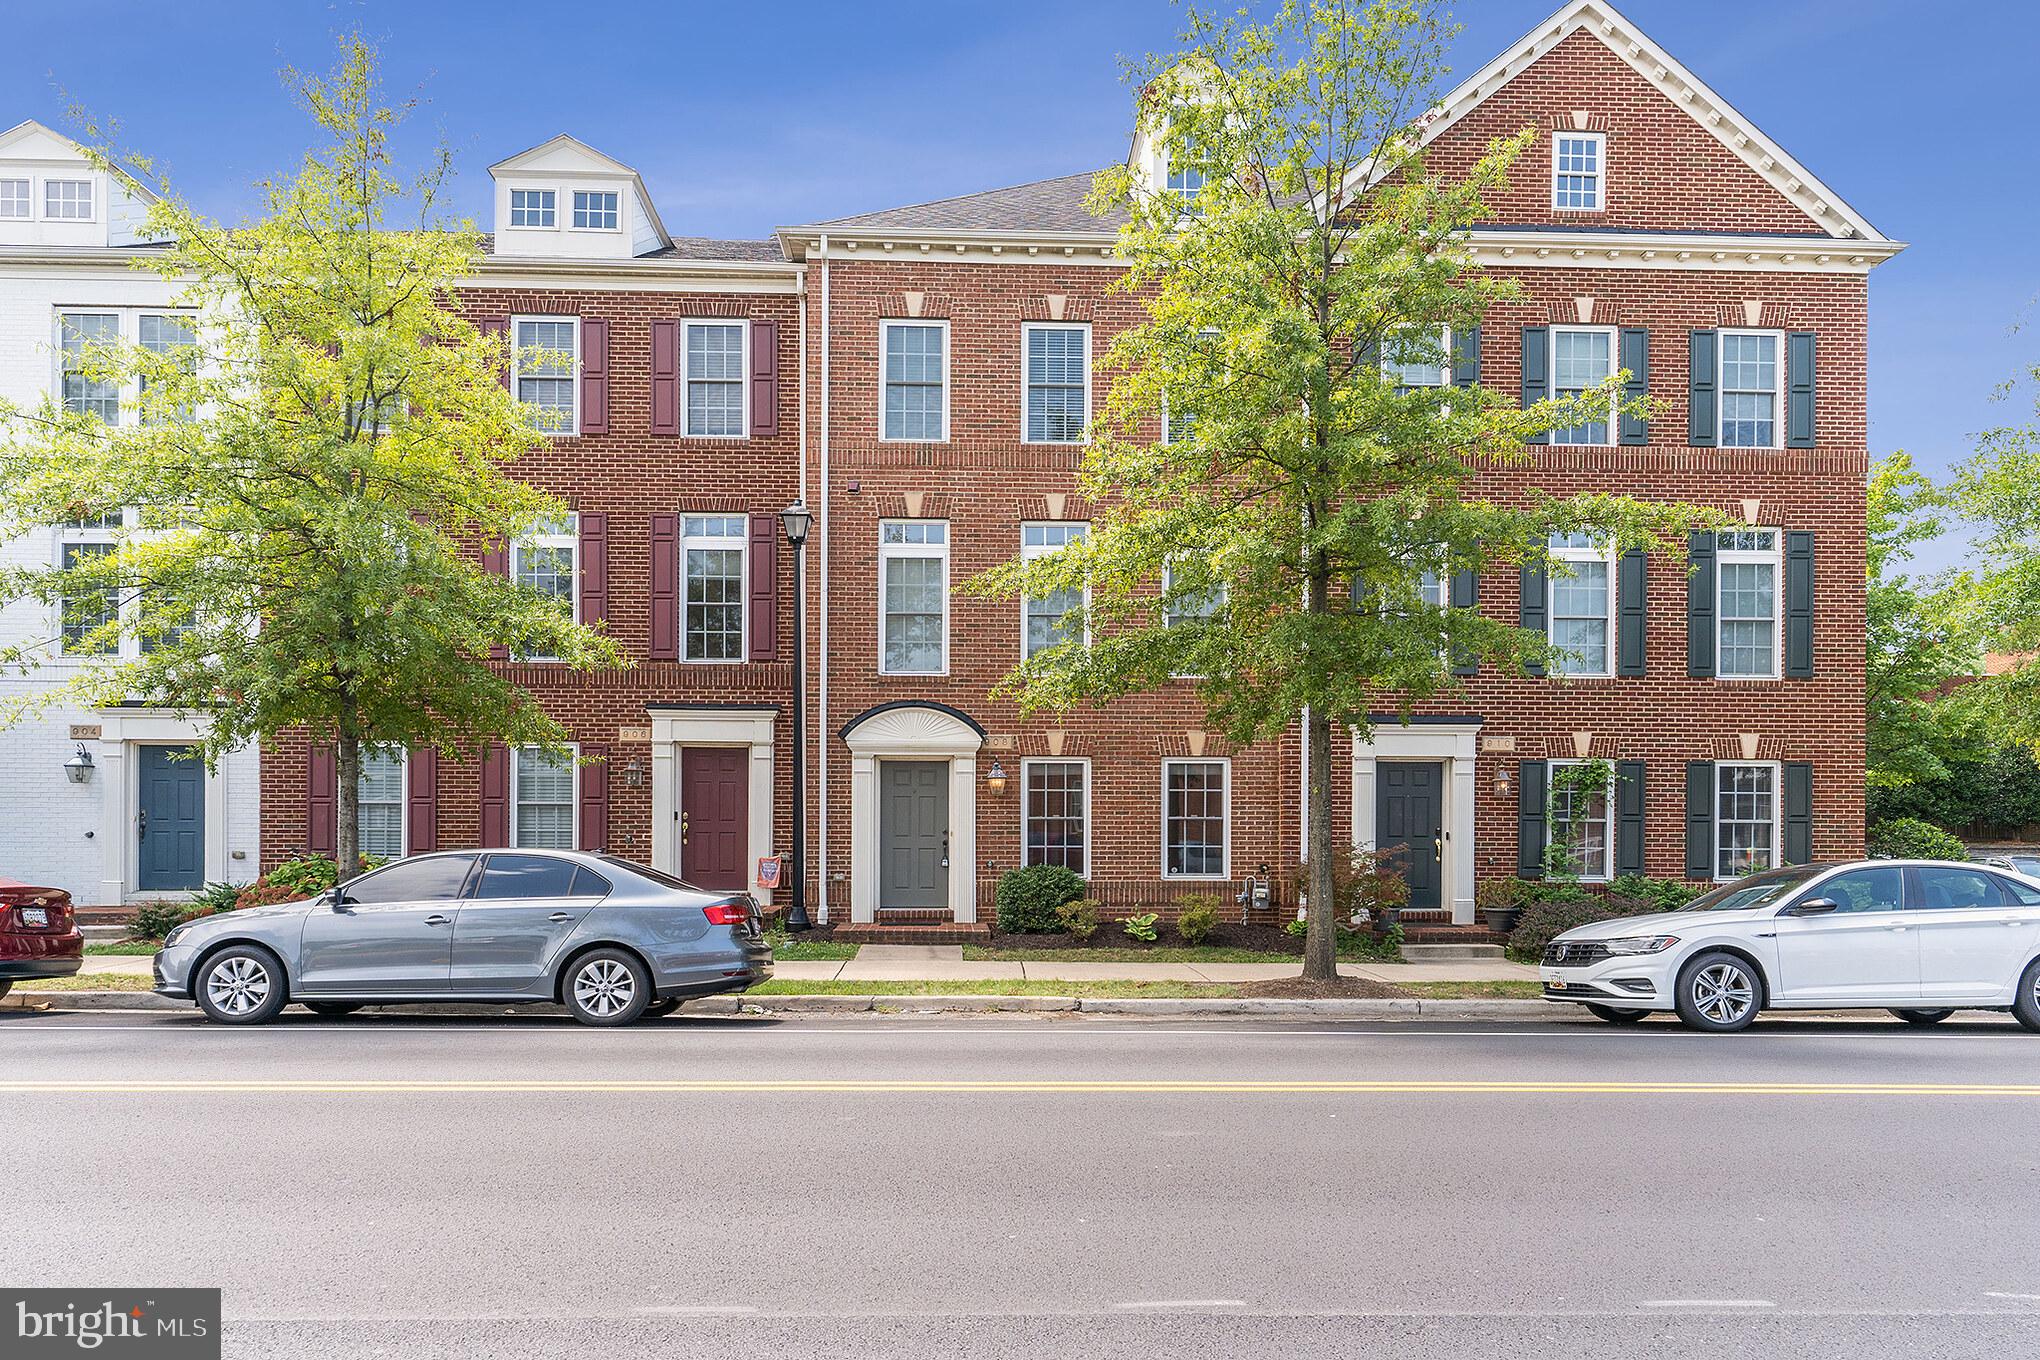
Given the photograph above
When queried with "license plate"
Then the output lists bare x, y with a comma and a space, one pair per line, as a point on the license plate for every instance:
1556, 984
35, 916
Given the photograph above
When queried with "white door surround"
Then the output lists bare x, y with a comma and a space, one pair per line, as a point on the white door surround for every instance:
678, 725
1456, 742
121, 730
913, 731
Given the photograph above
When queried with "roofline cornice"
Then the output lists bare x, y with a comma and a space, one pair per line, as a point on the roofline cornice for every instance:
1677, 250
881, 242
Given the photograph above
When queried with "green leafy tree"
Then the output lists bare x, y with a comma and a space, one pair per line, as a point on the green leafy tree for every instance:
1920, 634
304, 478
1303, 495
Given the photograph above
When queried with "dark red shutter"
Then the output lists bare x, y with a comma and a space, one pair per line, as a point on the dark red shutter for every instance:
594, 376
496, 796
665, 588
764, 379
322, 792
595, 798
665, 377
594, 566
764, 593
496, 559
496, 325
421, 801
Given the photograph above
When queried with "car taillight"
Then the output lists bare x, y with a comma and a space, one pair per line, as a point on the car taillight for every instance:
728, 914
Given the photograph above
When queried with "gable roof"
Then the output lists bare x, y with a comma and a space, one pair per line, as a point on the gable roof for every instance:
1680, 86
597, 163
1045, 205
27, 132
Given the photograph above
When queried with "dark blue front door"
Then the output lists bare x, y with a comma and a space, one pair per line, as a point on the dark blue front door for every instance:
1409, 823
172, 822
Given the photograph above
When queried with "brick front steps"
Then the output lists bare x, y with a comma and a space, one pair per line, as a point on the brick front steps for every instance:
942, 932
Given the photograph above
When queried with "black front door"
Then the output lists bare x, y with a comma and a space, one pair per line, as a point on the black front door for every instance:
172, 821
1409, 823
913, 833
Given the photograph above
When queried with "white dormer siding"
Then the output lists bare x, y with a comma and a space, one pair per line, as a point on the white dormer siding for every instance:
583, 184
51, 196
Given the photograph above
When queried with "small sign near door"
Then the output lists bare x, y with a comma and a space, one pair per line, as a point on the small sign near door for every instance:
769, 868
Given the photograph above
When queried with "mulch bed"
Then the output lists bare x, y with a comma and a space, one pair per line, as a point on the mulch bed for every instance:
1301, 989
1231, 935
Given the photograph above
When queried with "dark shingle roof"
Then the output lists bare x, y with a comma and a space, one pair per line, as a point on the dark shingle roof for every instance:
707, 248
1046, 205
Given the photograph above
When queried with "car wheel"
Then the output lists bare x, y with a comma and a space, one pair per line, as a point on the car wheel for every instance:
1616, 1015
1912, 1017
333, 1008
607, 987
2026, 1005
661, 1008
241, 985
1718, 992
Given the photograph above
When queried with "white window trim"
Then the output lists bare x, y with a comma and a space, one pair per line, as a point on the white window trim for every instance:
91, 183
1600, 173
1778, 390
1604, 555
1090, 846
574, 371
888, 551
1390, 369
403, 802
573, 758
1774, 556
621, 216
1613, 419
1028, 554
1027, 328
517, 189
742, 542
743, 326
1777, 816
1608, 818
128, 603
128, 323
27, 184
885, 326
1225, 857
570, 539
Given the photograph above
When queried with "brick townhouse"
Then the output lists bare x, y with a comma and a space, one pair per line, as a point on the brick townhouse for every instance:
921, 378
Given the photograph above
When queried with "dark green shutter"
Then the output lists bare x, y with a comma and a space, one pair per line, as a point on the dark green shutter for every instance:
1799, 604
1360, 593
1799, 390
1700, 604
1630, 616
1798, 813
1533, 799
1530, 612
1699, 819
1370, 357
1636, 360
1702, 375
1536, 371
1629, 816
1465, 595
1466, 357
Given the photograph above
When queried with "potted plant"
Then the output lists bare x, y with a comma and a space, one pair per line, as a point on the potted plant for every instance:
1501, 903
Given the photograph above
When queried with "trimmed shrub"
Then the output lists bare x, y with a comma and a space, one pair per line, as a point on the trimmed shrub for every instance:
1026, 899
1079, 919
1541, 921
154, 920
291, 881
1911, 838
1653, 894
1141, 927
1196, 918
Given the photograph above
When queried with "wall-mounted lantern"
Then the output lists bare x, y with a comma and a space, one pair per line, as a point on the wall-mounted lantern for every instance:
995, 778
78, 769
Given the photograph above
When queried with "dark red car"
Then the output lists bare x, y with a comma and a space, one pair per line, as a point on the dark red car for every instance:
38, 934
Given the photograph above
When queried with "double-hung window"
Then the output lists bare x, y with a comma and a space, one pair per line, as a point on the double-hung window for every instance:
1194, 818
1183, 604
1058, 401
595, 209
379, 801
84, 611
1044, 619
546, 358
173, 341
67, 200
534, 207
1582, 359
715, 379
542, 800
1746, 603
543, 561
1411, 362
913, 597
1583, 822
1577, 164
1745, 818
712, 554
1582, 604
84, 342
1055, 802
916, 402
13, 198
1749, 389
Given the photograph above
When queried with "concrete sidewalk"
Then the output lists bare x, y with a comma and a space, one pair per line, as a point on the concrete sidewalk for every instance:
945, 963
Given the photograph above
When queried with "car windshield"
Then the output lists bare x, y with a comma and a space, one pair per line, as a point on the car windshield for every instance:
2027, 864
1757, 890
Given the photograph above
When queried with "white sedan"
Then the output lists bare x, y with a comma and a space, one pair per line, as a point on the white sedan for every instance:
1919, 938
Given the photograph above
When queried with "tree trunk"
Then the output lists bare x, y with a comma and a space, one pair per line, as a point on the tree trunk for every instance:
347, 801
1320, 941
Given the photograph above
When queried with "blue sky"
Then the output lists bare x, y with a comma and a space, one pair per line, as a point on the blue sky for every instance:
747, 117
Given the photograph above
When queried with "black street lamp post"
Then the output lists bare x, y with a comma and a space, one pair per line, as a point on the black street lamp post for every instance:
797, 518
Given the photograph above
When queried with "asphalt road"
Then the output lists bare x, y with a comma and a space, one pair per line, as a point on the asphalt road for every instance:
1012, 1186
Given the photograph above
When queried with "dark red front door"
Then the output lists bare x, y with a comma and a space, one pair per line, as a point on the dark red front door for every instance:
715, 815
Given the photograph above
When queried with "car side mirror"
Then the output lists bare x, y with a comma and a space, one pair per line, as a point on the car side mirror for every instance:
1813, 906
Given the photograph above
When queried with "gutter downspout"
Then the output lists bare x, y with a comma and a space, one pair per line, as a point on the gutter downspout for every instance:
801, 765
822, 613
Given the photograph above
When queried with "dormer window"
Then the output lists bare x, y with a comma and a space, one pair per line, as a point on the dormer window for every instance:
595, 210
1577, 162
13, 198
67, 200
1186, 182
533, 208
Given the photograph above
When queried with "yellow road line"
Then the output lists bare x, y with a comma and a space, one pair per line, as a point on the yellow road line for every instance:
887, 1086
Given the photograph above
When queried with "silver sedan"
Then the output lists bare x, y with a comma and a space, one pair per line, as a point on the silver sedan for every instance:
610, 940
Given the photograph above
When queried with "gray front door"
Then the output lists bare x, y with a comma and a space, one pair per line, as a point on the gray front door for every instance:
172, 819
913, 833
1408, 825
